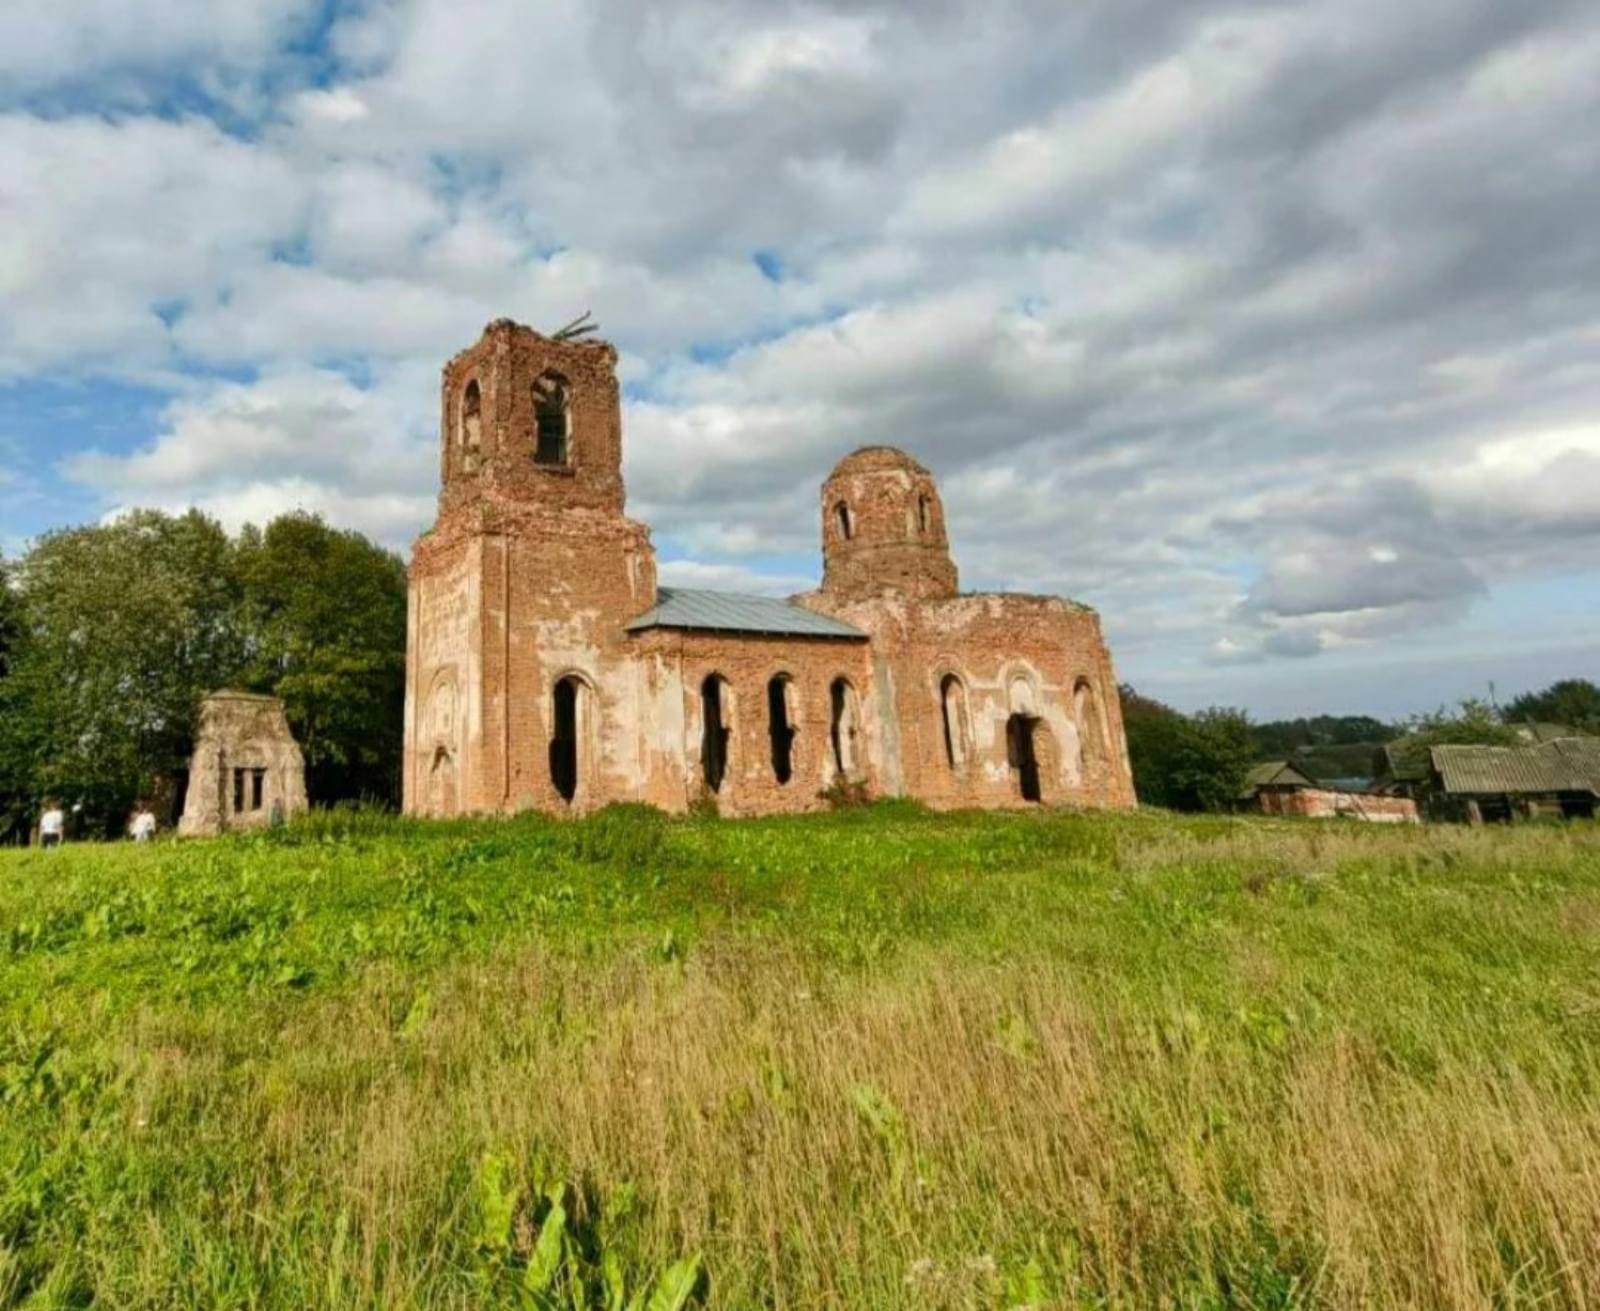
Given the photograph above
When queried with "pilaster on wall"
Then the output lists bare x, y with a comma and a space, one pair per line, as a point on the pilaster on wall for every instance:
492, 781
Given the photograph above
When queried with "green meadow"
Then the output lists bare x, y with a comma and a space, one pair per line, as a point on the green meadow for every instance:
878, 1058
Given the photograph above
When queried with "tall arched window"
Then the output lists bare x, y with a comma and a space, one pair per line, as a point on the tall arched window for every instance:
953, 710
713, 732
1091, 732
552, 419
924, 514
845, 726
780, 728
472, 417
841, 515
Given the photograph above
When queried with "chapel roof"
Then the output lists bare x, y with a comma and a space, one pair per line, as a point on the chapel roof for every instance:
738, 612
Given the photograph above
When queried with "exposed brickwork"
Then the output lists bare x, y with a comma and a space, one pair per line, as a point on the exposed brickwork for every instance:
523, 683
1318, 803
883, 529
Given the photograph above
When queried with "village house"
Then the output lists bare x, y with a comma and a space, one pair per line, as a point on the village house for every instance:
1559, 778
1278, 787
546, 668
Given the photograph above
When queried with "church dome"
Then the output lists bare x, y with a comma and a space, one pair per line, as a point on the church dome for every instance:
877, 459
883, 530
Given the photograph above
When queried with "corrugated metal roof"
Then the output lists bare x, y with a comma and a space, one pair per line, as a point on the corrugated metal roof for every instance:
1582, 757
1536, 731
1569, 764
738, 612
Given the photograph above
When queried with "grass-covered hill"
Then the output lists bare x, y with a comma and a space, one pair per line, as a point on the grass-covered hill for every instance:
872, 1059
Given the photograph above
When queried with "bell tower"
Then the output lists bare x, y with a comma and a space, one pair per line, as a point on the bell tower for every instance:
532, 419
520, 590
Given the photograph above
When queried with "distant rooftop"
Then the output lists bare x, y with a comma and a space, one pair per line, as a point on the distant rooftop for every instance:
738, 612
1275, 773
1570, 764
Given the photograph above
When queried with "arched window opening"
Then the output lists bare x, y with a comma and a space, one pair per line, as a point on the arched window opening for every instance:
713, 732
953, 709
1091, 732
564, 738
780, 728
841, 515
1022, 756
552, 419
924, 514
472, 417
844, 726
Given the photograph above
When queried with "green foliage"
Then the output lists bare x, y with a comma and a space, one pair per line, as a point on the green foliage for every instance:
126, 621
546, 1247
1287, 737
1325, 746
1186, 762
20, 734
323, 619
111, 634
1573, 702
10, 617
1472, 723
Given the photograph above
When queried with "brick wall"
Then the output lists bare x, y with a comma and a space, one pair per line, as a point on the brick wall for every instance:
531, 573
1316, 803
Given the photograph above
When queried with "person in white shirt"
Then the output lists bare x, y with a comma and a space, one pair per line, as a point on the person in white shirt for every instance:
52, 825
142, 827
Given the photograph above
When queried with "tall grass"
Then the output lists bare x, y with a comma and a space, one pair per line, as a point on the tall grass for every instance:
877, 1059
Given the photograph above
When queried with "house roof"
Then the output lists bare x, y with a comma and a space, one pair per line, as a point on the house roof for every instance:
1568, 764
1537, 731
1275, 773
1392, 765
738, 612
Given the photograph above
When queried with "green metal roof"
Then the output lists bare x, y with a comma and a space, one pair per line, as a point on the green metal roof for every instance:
1569, 764
738, 612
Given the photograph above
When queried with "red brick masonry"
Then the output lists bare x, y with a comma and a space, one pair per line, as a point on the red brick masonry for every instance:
519, 658
1315, 803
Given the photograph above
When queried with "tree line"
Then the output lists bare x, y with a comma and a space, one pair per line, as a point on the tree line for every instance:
111, 634
1199, 761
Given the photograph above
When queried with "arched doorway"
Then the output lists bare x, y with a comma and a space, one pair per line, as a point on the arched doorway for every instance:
564, 746
1022, 755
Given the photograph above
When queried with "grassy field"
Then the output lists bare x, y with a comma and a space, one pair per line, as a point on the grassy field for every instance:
871, 1059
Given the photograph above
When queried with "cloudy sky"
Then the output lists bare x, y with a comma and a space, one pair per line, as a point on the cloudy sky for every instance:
1270, 330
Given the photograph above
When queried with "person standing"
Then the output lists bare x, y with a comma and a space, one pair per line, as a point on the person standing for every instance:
142, 827
52, 825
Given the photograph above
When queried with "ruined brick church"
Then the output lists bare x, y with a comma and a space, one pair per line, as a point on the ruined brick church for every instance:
546, 668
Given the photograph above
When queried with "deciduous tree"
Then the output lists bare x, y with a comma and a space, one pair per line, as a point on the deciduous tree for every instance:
324, 627
1186, 762
1574, 702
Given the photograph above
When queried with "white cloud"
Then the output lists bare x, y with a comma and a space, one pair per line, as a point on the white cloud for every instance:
1270, 331
45, 43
